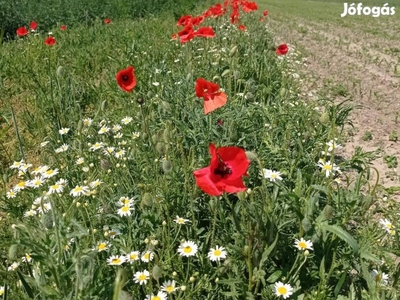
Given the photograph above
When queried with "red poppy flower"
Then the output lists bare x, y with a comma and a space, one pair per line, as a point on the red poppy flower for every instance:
184, 20
207, 32
282, 49
50, 41
249, 6
126, 79
265, 13
22, 31
213, 98
107, 21
197, 20
186, 34
224, 174
235, 16
174, 36
33, 25
242, 27
63, 27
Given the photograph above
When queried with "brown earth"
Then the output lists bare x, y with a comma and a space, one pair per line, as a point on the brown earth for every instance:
360, 66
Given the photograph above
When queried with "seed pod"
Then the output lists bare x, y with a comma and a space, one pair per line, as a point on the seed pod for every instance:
47, 221
160, 147
282, 92
216, 78
12, 252
147, 200
60, 71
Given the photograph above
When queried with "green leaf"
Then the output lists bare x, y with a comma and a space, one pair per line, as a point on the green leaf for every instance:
342, 234
274, 276
26, 286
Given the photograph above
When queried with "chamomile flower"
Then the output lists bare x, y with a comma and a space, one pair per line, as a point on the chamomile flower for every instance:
116, 260
119, 135
132, 256
120, 153
20, 186
332, 145
116, 128
63, 131
26, 258
169, 286
159, 296
125, 201
2, 290
302, 244
11, 194
49, 173
102, 246
112, 233
96, 146
108, 150
79, 191
187, 249
271, 175
16, 164
30, 213
135, 135
180, 220
13, 266
125, 211
35, 182
56, 189
87, 122
284, 290
80, 161
95, 183
217, 253
104, 129
328, 167
63, 148
141, 277
126, 120
388, 226
147, 256
379, 277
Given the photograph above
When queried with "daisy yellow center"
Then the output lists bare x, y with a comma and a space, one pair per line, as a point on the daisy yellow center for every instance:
78, 189
389, 225
125, 201
328, 167
125, 208
187, 249
133, 256
54, 187
21, 184
302, 245
28, 257
282, 290
180, 221
49, 172
169, 289
155, 298
115, 260
142, 277
102, 246
217, 252
273, 175
146, 256
378, 278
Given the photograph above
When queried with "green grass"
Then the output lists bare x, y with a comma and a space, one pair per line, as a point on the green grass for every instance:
72, 85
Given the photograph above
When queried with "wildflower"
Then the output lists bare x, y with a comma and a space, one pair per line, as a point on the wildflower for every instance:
332, 145
126, 120
79, 191
159, 296
42, 144
271, 175
13, 266
328, 167
211, 94
379, 277
249, 6
388, 226
217, 253
282, 49
102, 246
284, 290
224, 174
115, 260
302, 244
50, 41
168, 286
63, 148
104, 129
107, 21
125, 211
20, 186
120, 153
62, 182
265, 13
26, 258
126, 79
49, 173
147, 256
132, 256
22, 31
113, 233
63, 131
188, 248
11, 194
56, 188
30, 213
141, 277
206, 32
186, 34
95, 183
108, 150
116, 128
180, 220
80, 161
125, 201
63, 27
96, 146
241, 27
135, 135
2, 290
87, 122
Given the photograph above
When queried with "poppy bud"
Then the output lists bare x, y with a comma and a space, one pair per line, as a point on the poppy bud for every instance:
60, 71
251, 156
216, 78
324, 118
166, 166
47, 221
140, 101
80, 125
5, 177
226, 73
306, 224
165, 106
149, 94
282, 92
328, 212
157, 272
236, 74
12, 252
104, 164
249, 96
167, 135
233, 51
160, 147
147, 200
104, 105
189, 77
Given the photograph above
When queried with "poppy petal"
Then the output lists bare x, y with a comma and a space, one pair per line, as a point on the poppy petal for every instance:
219, 100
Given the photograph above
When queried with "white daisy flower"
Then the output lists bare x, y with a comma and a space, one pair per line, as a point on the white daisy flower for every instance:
96, 146
95, 183
217, 253
126, 120
13, 266
104, 129
328, 167
302, 244
159, 296
378, 277
116, 128
141, 277
284, 290
56, 188
147, 256
187, 249
35, 182
49, 173
80, 161
271, 175
135, 135
125, 211
388, 226
116, 260
30, 213
169, 286
63, 131
102, 246
125, 201
180, 220
87, 122
11, 194
132, 256
79, 191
